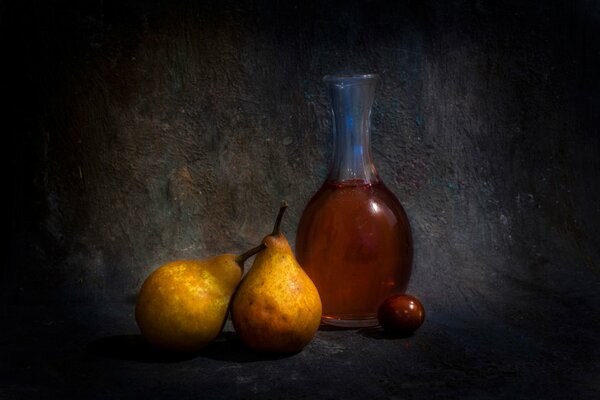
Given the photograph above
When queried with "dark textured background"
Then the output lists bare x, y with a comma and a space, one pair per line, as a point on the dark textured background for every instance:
139, 132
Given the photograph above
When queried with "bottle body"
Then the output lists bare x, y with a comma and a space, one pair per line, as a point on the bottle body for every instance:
354, 238
354, 242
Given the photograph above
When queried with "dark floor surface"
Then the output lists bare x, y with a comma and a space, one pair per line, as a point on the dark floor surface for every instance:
55, 355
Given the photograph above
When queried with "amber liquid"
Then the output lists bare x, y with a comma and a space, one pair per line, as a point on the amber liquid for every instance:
354, 242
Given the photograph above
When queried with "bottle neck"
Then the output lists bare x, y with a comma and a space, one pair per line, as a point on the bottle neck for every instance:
351, 102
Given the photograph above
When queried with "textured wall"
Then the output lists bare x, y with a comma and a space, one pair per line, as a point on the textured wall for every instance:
139, 132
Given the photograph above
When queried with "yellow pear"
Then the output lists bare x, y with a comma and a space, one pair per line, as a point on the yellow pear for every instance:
183, 305
276, 307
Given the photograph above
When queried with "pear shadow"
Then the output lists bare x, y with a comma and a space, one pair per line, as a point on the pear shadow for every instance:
134, 348
131, 298
227, 347
377, 332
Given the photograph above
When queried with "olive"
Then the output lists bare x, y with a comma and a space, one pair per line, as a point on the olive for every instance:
401, 314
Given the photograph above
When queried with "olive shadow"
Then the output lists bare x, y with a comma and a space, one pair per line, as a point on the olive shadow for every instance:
377, 332
227, 347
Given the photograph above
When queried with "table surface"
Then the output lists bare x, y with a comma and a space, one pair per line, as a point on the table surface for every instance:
95, 351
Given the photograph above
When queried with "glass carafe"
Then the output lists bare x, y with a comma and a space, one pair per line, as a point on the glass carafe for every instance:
354, 239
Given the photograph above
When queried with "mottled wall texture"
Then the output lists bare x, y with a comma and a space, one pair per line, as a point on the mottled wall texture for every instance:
138, 132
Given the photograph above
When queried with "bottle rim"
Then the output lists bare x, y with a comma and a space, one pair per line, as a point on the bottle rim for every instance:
350, 78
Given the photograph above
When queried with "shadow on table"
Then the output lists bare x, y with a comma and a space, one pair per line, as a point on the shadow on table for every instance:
332, 328
227, 347
134, 348
377, 332
372, 332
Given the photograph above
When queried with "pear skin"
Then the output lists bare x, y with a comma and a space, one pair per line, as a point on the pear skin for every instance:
182, 306
276, 307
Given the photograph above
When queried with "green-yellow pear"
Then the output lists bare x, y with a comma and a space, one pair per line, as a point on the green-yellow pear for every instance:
182, 305
276, 307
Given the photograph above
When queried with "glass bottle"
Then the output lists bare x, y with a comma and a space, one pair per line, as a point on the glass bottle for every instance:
354, 239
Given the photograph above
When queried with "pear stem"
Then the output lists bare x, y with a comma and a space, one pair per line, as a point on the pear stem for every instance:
241, 259
282, 208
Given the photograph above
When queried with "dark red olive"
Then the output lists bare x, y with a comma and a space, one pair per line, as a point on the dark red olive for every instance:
401, 314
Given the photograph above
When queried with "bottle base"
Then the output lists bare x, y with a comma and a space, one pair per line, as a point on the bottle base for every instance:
350, 321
